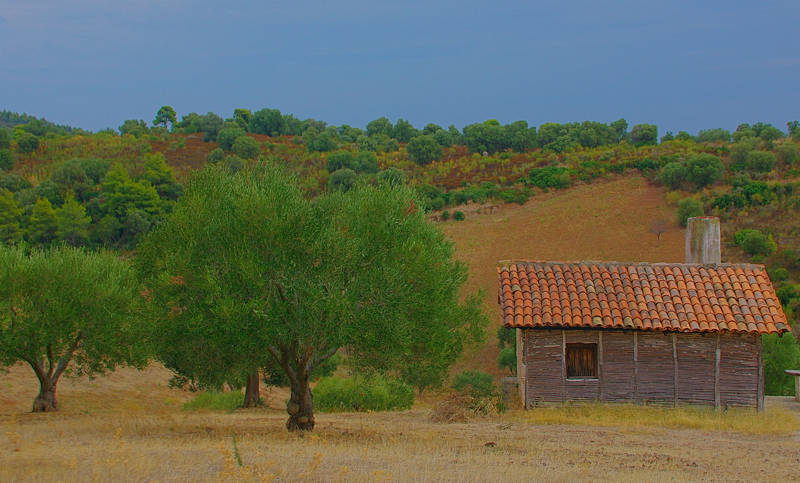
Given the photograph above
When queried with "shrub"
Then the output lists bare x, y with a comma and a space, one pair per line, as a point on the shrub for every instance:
754, 242
424, 149
445, 215
233, 162
475, 383
760, 161
216, 156
458, 216
550, 177
779, 353
6, 159
507, 359
342, 180
778, 274
215, 401
704, 169
339, 160
391, 176
788, 154
362, 393
226, 137
788, 292
246, 147
27, 142
673, 175
687, 208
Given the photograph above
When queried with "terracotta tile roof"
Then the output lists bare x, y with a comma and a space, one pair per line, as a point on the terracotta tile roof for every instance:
645, 296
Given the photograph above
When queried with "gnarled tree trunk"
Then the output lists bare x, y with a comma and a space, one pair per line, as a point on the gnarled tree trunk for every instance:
252, 393
301, 404
46, 400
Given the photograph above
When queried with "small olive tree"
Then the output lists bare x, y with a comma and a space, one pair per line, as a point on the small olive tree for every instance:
67, 310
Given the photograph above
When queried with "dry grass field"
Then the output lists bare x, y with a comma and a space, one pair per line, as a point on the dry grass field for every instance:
129, 425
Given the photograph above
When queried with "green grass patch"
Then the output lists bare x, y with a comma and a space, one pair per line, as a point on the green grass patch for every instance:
774, 420
359, 393
215, 401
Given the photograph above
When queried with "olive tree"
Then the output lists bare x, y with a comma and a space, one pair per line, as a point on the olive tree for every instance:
64, 310
248, 273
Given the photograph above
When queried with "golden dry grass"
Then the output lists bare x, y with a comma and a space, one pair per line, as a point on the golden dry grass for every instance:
130, 426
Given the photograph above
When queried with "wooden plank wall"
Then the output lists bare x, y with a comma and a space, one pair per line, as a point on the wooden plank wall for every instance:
648, 367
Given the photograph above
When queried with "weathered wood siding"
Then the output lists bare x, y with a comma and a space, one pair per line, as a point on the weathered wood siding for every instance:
648, 367
738, 370
521, 366
696, 362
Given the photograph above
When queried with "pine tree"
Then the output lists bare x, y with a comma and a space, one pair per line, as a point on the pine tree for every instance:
72, 223
42, 224
10, 214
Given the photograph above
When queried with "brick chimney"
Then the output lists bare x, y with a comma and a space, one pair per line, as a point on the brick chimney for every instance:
702, 240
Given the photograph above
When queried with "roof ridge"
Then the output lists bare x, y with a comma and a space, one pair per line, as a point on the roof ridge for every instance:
752, 266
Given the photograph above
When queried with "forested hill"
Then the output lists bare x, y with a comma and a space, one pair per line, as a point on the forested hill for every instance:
38, 126
108, 188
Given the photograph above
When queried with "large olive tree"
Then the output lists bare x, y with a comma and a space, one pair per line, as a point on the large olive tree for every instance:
67, 310
247, 273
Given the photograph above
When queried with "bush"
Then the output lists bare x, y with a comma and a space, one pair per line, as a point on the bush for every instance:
458, 216
27, 142
687, 208
445, 215
342, 180
424, 149
507, 359
704, 169
361, 393
550, 177
215, 156
760, 161
6, 159
780, 353
778, 274
788, 292
475, 383
391, 176
673, 175
215, 401
754, 242
226, 137
339, 160
788, 154
246, 147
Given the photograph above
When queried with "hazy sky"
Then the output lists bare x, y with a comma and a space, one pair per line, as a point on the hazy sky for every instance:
681, 65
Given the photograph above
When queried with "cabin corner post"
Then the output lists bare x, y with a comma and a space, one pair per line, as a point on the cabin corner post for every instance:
600, 364
563, 366
636, 366
717, 402
760, 395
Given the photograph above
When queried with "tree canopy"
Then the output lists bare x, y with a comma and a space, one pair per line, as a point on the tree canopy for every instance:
256, 275
66, 310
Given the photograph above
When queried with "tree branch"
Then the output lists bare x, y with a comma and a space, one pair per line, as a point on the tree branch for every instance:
62, 364
50, 360
313, 364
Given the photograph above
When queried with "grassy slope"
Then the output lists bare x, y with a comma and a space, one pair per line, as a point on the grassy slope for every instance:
605, 220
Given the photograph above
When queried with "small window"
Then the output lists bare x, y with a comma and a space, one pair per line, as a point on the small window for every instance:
581, 361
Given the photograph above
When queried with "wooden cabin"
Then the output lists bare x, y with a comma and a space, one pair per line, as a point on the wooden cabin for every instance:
642, 332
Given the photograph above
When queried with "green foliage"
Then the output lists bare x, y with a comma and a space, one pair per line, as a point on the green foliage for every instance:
550, 177
215, 401
26, 142
246, 147
491, 137
739, 152
6, 160
687, 208
424, 149
445, 215
42, 225
507, 359
644, 134
72, 224
13, 182
342, 180
360, 393
475, 383
5, 138
242, 118
319, 142
227, 136
704, 169
161, 176
215, 156
754, 242
788, 154
673, 175
362, 162
134, 127
714, 135
65, 307
391, 177
779, 353
403, 131
246, 262
267, 121
380, 126
165, 115
458, 216
10, 216
123, 195
760, 161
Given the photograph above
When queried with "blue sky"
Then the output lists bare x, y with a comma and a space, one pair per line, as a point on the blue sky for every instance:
681, 65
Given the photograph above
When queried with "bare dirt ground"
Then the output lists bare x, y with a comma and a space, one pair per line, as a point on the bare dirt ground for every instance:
130, 426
